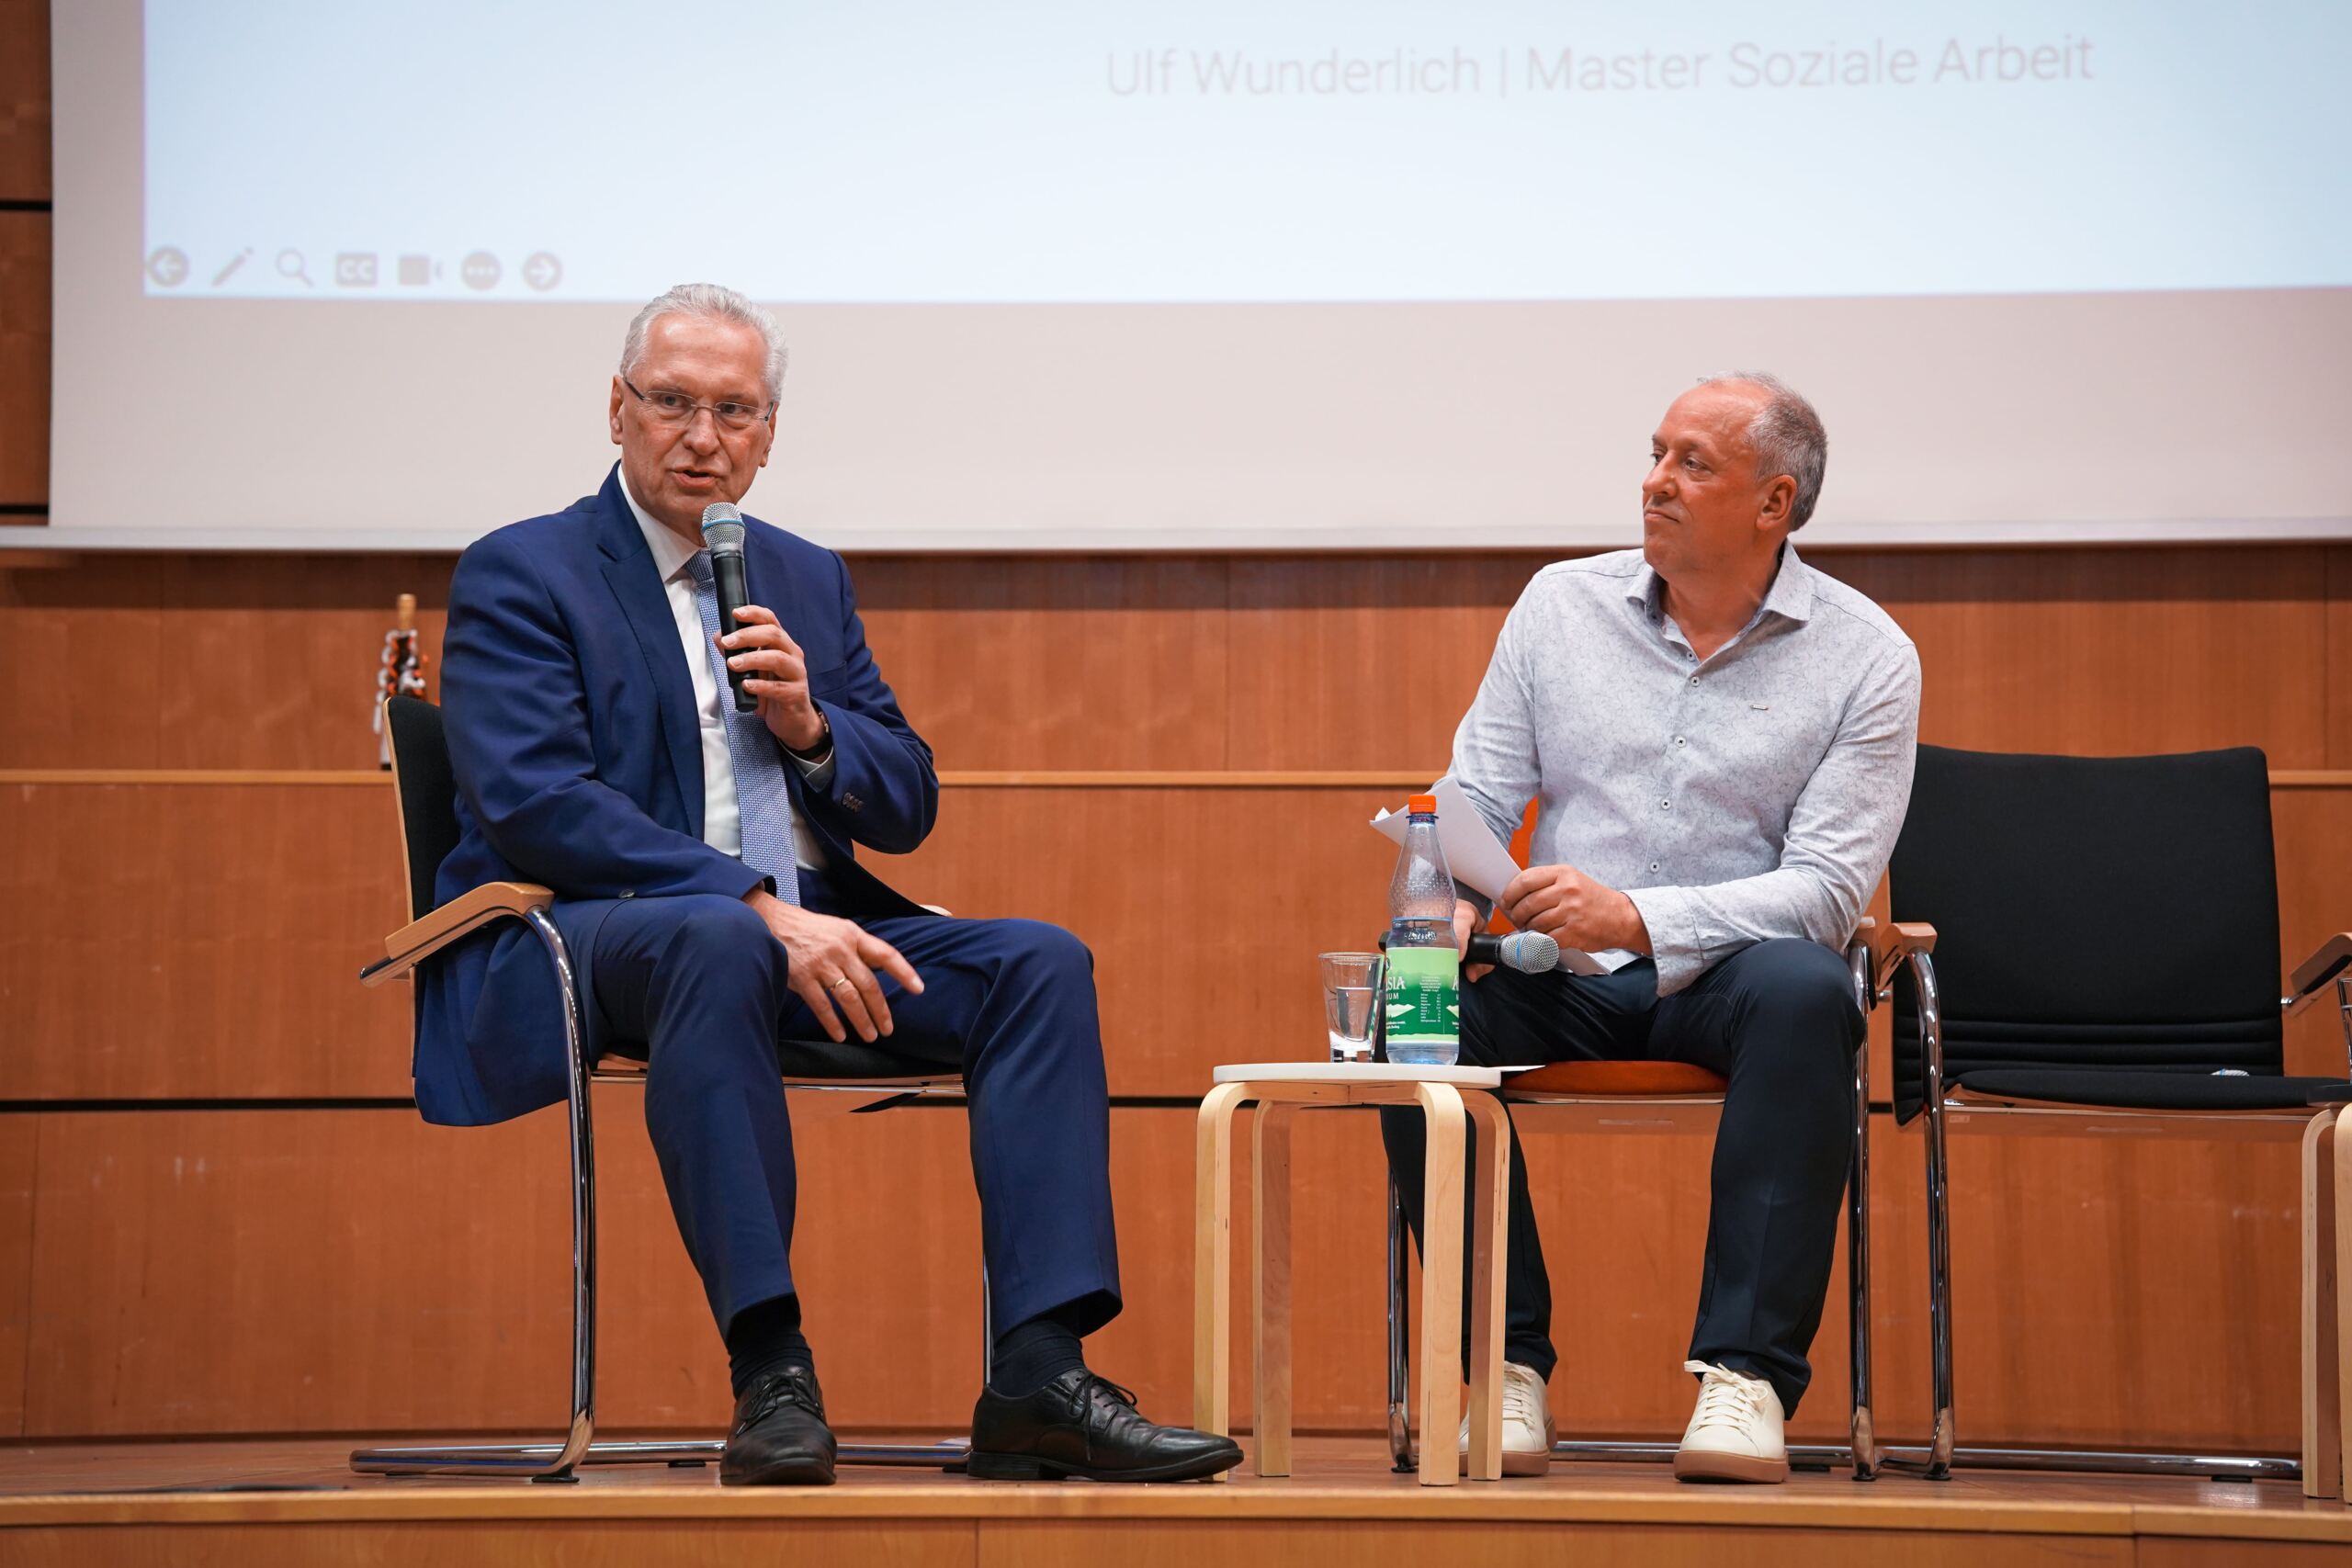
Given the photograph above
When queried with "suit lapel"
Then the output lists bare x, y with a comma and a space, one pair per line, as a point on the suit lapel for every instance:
629, 571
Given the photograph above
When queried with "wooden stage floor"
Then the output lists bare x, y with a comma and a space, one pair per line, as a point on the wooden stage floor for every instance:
267, 1503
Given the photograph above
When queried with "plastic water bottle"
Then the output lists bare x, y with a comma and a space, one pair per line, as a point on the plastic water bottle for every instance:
1424, 991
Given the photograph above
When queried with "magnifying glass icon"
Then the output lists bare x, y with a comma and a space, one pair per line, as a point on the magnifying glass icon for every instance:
289, 265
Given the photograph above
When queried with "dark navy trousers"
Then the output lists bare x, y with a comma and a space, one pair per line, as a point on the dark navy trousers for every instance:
1780, 1022
1008, 1003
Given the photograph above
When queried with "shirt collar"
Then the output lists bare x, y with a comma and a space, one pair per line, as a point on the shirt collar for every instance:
670, 553
1791, 595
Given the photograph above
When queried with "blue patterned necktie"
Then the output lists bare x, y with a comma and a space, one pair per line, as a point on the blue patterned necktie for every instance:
761, 794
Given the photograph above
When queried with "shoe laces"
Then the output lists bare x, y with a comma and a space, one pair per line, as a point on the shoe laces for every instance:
1728, 1398
1124, 1395
1524, 1398
776, 1391
1097, 1398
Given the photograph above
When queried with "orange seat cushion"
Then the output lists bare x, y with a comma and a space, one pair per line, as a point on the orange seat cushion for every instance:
1616, 1077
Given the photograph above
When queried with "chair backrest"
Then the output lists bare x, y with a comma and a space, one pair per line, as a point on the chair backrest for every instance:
426, 793
2116, 912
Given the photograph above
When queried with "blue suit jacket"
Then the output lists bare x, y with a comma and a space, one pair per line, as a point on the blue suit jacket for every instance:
573, 736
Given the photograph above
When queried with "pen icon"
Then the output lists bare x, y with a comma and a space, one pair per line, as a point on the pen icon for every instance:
234, 263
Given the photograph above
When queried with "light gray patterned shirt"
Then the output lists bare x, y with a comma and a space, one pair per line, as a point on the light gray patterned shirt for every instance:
1751, 794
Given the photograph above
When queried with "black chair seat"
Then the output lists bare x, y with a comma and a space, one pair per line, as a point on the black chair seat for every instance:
2130, 1090
852, 1061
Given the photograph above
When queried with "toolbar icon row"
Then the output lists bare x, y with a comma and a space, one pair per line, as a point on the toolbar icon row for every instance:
167, 266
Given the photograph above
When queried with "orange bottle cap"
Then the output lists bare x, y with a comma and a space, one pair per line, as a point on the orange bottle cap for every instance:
1424, 803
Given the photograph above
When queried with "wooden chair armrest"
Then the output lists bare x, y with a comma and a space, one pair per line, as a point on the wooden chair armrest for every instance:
2312, 976
1892, 943
420, 939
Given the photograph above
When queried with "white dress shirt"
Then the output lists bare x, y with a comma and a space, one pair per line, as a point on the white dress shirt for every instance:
1752, 794
722, 818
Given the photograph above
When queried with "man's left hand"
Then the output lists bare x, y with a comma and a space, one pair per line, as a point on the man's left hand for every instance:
778, 677
1574, 910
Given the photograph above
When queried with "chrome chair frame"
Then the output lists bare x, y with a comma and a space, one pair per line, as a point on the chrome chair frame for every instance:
1863, 1451
2023, 1117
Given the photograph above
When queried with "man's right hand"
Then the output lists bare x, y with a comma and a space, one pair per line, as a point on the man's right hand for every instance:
832, 963
1466, 926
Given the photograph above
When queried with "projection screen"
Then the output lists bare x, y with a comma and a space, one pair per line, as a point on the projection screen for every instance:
1289, 273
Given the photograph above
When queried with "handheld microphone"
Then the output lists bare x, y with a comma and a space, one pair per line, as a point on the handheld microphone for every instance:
722, 534
1529, 953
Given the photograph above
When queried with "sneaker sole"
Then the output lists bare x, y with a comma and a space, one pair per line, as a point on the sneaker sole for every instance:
1691, 1464
1519, 1463
1029, 1467
1527, 1465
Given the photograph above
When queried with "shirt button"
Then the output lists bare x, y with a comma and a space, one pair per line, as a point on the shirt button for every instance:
1694, 680
1652, 865
1678, 740
1666, 805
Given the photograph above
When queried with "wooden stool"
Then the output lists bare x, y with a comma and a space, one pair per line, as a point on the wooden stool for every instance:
1446, 1096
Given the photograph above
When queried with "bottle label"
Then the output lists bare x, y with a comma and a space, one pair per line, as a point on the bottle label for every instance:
1423, 994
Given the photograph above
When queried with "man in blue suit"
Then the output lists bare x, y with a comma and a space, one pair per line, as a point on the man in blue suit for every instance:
709, 889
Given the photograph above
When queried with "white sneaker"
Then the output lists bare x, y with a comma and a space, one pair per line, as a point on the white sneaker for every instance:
1735, 1435
1527, 1424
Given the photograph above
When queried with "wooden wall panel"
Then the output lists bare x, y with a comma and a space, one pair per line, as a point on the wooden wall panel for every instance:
24, 100
19, 1139
1344, 663
2107, 652
24, 359
290, 646
1361, 662
2075, 1322
2339, 657
1204, 906
356, 1270
204, 661
427, 1269
199, 941
1047, 663
82, 642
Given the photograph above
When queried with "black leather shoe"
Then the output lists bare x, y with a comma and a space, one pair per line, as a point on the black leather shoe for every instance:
779, 1437
1086, 1428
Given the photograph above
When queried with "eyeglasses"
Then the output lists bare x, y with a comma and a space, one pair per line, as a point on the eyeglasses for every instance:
676, 408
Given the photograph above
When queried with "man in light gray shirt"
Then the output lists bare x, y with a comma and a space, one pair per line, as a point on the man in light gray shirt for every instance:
1718, 740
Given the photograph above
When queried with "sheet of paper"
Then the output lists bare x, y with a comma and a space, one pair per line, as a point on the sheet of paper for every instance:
1474, 855
1472, 852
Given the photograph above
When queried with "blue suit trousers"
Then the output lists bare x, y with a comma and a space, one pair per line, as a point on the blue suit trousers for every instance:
1010, 1004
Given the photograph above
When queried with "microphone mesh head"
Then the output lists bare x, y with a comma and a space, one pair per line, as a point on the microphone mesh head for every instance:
1539, 953
722, 527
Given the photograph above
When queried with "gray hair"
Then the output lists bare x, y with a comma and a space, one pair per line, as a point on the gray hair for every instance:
712, 302
1788, 437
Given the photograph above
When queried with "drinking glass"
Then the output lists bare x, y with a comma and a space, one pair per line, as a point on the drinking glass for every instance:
1351, 1002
